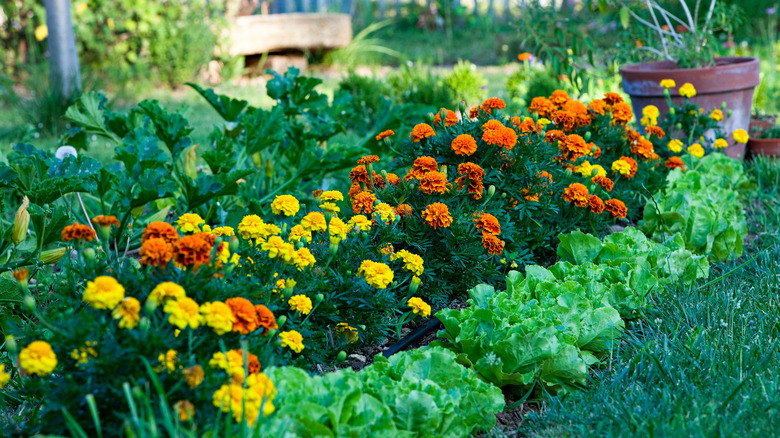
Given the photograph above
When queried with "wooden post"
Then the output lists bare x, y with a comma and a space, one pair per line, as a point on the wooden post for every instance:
63, 56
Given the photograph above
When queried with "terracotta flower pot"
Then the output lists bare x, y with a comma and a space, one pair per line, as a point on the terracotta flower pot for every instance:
768, 147
731, 80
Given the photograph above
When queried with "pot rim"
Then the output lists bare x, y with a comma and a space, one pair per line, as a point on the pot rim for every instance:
656, 67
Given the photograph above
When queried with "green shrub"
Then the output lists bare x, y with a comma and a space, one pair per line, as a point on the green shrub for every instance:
467, 83
415, 83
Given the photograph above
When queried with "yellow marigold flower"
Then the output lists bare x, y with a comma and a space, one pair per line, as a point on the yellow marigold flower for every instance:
194, 375
584, 169
166, 291
360, 221
621, 167
331, 196
740, 136
168, 360
378, 275
218, 316
716, 115
675, 146
651, 111
189, 223
5, 377
223, 252
41, 32
412, 262
185, 410
280, 286
104, 292
386, 212
687, 90
300, 303
127, 313
223, 231
286, 205
304, 259
350, 332
338, 228
720, 143
183, 312
419, 306
277, 247
387, 249
668, 83
292, 340
247, 403
82, 355
600, 171
297, 232
314, 221
251, 227
330, 207
696, 150
38, 358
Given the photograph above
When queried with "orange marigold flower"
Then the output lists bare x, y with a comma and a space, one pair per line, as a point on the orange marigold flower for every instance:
421, 131
675, 163
533, 197
576, 193
368, 159
420, 166
491, 104
245, 313
359, 174
544, 174
265, 319
554, 135
363, 202
559, 98
474, 112
492, 124
542, 106
631, 162
489, 223
78, 231
475, 175
433, 182
643, 148
156, 252
616, 208
504, 137
317, 193
526, 126
464, 144
105, 221
385, 134
450, 119
565, 120
404, 210
655, 130
354, 189
596, 204
393, 179
613, 98
621, 113
437, 215
379, 182
598, 106
603, 181
525, 56
191, 251
573, 146
492, 244
162, 230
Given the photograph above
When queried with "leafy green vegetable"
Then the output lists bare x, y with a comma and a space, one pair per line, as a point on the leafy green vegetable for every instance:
423, 392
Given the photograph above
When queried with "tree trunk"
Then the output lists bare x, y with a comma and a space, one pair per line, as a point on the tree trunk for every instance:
63, 57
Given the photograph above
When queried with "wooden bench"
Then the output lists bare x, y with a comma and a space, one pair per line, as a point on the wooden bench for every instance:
258, 34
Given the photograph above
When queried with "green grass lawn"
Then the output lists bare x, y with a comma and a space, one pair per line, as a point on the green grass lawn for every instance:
704, 360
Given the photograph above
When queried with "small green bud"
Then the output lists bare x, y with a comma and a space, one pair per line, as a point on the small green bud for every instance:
318, 299
430, 117
342, 356
723, 106
89, 253
149, 307
28, 302
144, 325
679, 126
272, 332
491, 190
671, 108
257, 160
281, 320
462, 106
10, 345
587, 136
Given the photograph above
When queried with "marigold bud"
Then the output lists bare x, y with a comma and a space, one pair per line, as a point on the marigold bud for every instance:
269, 168
89, 253
462, 106
10, 345
281, 320
671, 108
257, 160
491, 190
587, 136
51, 256
414, 285
21, 222
430, 117
28, 302
318, 299
342, 356
723, 106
